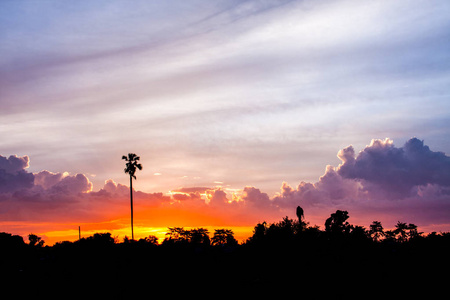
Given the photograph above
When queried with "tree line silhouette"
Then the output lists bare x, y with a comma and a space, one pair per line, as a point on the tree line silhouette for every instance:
285, 256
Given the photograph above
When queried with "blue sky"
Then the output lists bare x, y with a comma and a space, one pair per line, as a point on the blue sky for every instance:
230, 93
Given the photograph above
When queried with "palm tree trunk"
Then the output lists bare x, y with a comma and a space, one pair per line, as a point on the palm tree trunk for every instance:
131, 202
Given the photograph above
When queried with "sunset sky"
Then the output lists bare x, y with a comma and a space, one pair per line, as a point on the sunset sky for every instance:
239, 110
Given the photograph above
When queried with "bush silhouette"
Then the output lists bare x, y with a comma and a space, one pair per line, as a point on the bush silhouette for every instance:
338, 262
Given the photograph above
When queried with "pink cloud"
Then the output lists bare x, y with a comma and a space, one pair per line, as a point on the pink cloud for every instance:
382, 182
217, 197
254, 197
78, 183
47, 179
113, 188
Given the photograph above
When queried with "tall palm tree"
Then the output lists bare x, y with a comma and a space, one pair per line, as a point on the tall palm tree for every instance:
131, 166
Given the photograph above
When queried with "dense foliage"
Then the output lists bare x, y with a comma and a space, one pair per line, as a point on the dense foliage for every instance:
288, 256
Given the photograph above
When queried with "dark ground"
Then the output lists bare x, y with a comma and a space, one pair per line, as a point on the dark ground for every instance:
297, 266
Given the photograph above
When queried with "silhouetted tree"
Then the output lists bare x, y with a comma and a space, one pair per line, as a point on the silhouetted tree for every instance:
100, 239
359, 233
389, 236
7, 239
413, 232
35, 240
223, 237
337, 223
376, 231
400, 231
176, 235
311, 232
300, 227
126, 239
199, 236
259, 232
347, 264
151, 239
282, 231
131, 166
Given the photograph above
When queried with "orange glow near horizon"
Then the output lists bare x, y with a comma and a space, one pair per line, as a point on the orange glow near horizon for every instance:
153, 214
53, 233
161, 219
150, 218
241, 233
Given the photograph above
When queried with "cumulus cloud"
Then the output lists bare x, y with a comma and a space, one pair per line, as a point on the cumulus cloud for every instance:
14, 182
117, 193
47, 179
216, 197
14, 164
409, 183
395, 171
74, 184
379, 171
113, 188
43, 195
63, 182
336, 187
13, 176
330, 189
255, 197
382, 180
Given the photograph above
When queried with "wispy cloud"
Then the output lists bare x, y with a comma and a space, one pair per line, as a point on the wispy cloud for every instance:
243, 92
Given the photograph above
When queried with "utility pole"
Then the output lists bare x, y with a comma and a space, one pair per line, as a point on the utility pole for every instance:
79, 232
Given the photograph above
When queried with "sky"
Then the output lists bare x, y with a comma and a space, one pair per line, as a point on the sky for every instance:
239, 110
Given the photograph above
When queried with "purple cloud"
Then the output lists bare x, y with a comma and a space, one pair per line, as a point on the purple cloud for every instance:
382, 182
14, 164
395, 171
13, 176
63, 183
255, 197
47, 179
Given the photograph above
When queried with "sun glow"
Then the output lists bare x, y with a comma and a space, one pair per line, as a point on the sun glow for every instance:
241, 233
